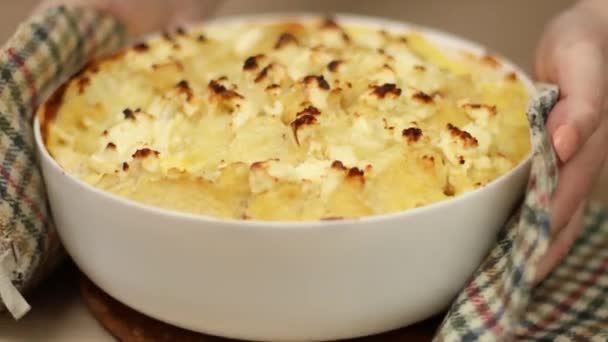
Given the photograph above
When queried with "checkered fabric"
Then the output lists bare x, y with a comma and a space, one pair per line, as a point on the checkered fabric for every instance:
497, 295
498, 303
572, 304
44, 51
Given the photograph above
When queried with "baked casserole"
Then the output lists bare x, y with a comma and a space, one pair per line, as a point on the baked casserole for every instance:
289, 121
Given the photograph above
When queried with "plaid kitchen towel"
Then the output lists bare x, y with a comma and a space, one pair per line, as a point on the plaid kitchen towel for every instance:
493, 301
498, 303
572, 304
45, 50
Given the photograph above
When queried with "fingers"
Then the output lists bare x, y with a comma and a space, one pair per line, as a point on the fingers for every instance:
578, 114
577, 178
561, 244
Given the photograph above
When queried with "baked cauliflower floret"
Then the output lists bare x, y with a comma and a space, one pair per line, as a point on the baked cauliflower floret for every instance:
298, 120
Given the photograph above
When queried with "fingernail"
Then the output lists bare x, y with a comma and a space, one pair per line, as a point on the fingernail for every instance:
565, 142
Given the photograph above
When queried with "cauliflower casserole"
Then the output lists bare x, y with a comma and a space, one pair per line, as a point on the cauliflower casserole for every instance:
289, 120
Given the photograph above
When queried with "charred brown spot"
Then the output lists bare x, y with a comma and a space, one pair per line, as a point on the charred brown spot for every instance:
180, 31
201, 38
511, 77
145, 152
273, 86
262, 164
321, 82
222, 91
403, 39
259, 165
111, 146
167, 35
348, 84
423, 97
262, 74
174, 63
490, 61
461, 160
184, 88
388, 67
412, 134
285, 39
338, 165
386, 126
332, 218
387, 88
420, 68
303, 120
329, 23
333, 65
93, 67
466, 137
492, 109
300, 121
251, 63
355, 173
141, 47
310, 110
83, 82
346, 37
449, 190
128, 113
125, 166
428, 160
104, 133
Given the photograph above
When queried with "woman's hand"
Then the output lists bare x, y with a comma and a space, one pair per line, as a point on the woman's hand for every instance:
144, 16
573, 55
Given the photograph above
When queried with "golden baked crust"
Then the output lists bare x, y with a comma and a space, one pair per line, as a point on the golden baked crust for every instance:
289, 121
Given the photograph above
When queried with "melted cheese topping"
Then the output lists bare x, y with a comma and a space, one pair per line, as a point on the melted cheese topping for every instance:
289, 121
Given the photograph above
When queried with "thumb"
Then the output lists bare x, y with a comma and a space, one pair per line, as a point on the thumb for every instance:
579, 71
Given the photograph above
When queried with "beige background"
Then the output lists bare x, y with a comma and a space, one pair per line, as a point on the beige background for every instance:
510, 28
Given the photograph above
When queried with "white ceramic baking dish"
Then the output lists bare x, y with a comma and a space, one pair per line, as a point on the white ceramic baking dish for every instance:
282, 281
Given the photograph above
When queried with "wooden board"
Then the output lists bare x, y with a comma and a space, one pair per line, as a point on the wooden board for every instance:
127, 325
